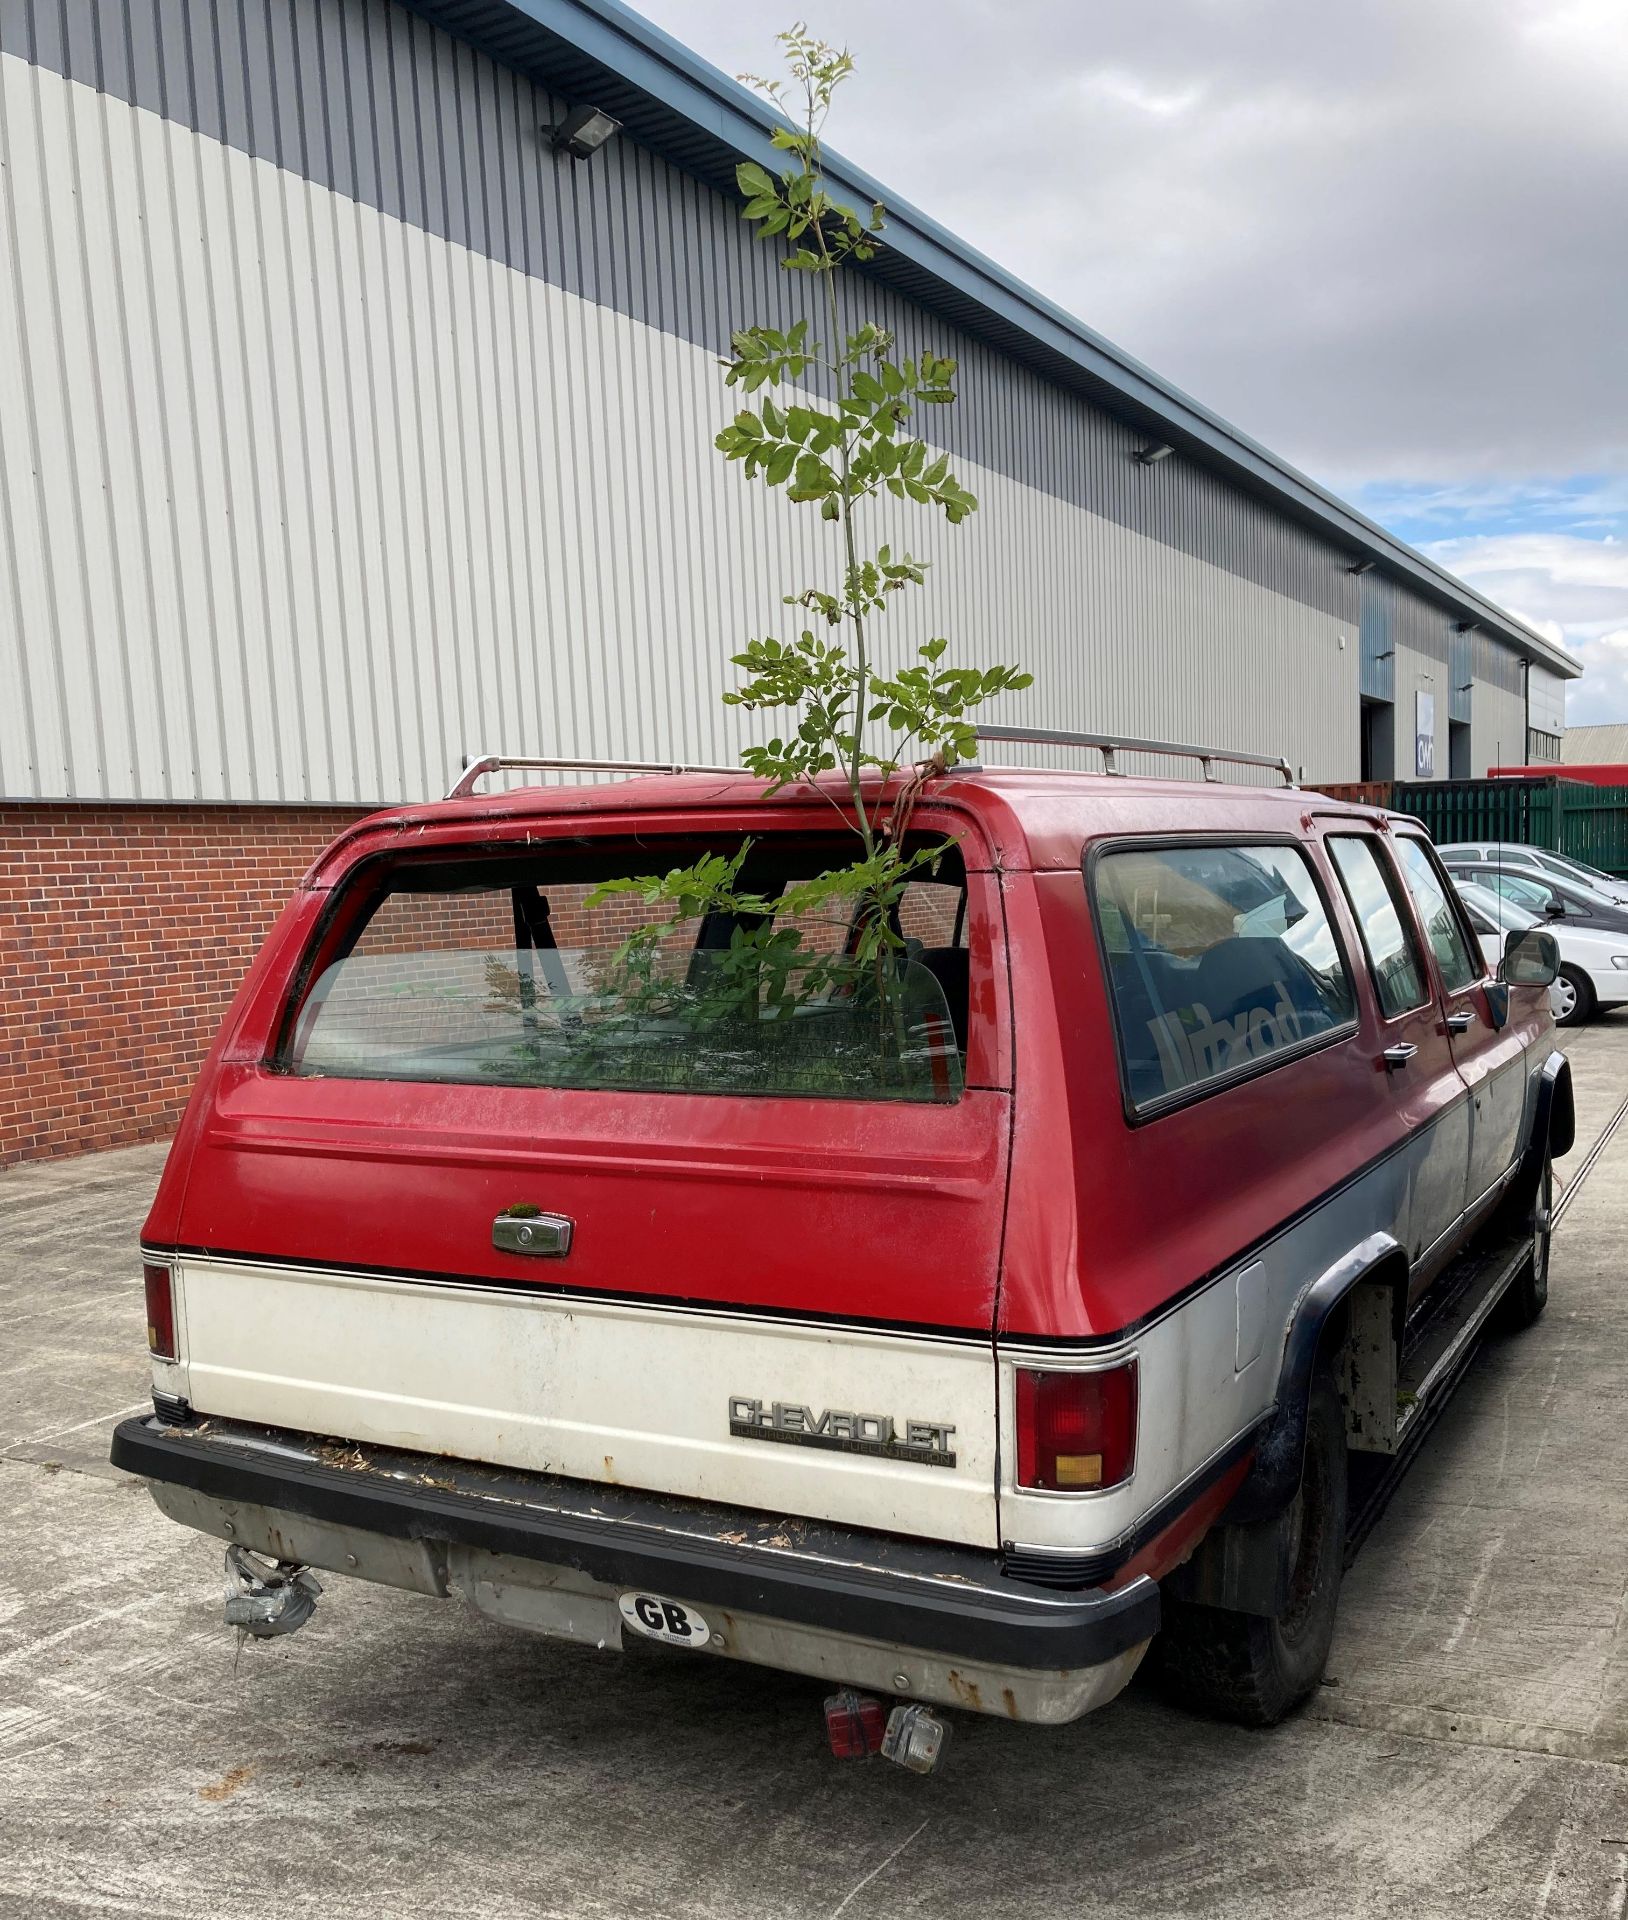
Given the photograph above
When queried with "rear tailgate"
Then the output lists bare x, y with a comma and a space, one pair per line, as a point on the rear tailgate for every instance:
777, 1302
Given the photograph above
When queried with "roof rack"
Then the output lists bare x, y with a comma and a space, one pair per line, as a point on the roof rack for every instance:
1109, 745
477, 770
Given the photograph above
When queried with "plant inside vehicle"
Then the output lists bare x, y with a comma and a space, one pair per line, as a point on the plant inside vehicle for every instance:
831, 424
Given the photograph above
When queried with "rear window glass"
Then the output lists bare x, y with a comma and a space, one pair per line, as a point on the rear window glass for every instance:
1219, 959
511, 973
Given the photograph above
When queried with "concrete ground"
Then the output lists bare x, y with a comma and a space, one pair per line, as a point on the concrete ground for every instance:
1468, 1756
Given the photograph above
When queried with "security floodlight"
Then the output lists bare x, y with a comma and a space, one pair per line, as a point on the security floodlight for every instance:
582, 132
1464, 626
1360, 566
1468, 687
1388, 654
1148, 456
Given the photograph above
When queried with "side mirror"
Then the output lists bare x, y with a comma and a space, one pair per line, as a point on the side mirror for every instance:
1555, 909
1531, 959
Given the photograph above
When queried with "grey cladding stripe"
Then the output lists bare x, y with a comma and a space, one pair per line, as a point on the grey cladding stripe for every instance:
372, 101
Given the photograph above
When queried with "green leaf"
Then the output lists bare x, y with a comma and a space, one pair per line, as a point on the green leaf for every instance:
753, 179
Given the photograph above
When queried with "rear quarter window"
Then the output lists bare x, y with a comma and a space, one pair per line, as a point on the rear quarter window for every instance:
1221, 959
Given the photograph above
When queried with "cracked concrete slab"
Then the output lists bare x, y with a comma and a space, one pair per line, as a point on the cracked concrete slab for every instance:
399, 1755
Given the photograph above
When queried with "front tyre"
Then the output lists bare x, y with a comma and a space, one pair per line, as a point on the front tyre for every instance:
1528, 1293
1251, 1668
1574, 998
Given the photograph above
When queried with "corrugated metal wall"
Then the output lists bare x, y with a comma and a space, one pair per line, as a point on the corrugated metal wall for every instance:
357, 432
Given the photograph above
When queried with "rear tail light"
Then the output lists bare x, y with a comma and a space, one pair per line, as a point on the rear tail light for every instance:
160, 1309
1076, 1431
854, 1724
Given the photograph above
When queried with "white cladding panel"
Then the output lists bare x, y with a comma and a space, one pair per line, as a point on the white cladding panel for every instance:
1546, 695
1497, 728
301, 502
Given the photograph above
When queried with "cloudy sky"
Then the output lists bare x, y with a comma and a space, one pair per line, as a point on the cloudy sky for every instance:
1389, 238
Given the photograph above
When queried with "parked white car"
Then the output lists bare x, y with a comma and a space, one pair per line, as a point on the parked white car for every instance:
1539, 862
1593, 965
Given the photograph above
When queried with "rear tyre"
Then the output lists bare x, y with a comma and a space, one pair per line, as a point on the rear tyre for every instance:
1528, 1293
1248, 1668
1575, 993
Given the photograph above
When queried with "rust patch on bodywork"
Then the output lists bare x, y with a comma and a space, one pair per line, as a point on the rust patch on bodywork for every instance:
966, 1691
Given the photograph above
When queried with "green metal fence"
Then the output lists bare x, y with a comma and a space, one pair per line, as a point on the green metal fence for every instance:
1566, 816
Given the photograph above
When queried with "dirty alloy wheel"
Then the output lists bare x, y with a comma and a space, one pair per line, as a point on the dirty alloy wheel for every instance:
1574, 998
1528, 1293
1250, 1668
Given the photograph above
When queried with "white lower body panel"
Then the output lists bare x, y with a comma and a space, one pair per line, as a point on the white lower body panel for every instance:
627, 1394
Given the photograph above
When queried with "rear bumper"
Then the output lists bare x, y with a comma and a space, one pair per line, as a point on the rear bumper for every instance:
555, 1554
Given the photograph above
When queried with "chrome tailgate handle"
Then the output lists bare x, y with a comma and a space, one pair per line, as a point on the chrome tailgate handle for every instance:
530, 1231
1399, 1055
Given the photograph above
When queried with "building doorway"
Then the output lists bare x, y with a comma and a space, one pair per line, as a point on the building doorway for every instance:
1378, 740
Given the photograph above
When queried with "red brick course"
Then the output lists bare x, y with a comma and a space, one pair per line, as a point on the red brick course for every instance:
126, 929
124, 932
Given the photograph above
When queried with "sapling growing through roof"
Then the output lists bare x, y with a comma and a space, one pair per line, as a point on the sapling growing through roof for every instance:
830, 421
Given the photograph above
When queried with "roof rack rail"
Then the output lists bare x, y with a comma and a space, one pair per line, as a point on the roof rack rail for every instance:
477, 770
1108, 745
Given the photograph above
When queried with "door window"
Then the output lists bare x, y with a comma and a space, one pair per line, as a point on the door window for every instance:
1220, 959
1439, 915
1392, 957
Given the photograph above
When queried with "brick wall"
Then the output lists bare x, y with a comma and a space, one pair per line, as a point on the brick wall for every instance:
124, 932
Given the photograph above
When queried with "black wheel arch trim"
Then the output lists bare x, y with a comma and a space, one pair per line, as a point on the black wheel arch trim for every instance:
1554, 1117
1275, 1475
939, 1599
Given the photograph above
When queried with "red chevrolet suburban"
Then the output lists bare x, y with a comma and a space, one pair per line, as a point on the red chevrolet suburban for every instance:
1092, 1317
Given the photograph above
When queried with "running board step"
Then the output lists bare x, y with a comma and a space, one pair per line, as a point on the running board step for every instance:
1440, 1349
1434, 1360
1385, 1396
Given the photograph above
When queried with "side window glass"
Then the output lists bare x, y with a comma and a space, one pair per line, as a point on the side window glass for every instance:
1218, 958
1398, 977
1441, 924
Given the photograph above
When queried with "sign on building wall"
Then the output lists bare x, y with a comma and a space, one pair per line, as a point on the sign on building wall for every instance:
1424, 736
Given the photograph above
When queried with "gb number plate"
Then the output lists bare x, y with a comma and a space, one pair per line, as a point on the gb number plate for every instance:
659, 1619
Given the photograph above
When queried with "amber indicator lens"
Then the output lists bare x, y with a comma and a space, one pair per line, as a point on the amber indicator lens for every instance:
1076, 1431
160, 1309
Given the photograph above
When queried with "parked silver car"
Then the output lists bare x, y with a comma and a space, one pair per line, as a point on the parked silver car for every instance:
1540, 862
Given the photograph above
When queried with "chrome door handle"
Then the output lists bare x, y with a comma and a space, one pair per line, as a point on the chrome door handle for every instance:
1399, 1055
1460, 1022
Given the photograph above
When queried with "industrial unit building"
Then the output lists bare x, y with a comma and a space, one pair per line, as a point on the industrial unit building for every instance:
351, 425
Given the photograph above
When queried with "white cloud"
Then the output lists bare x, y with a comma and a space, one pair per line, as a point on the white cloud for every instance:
1573, 591
1387, 238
